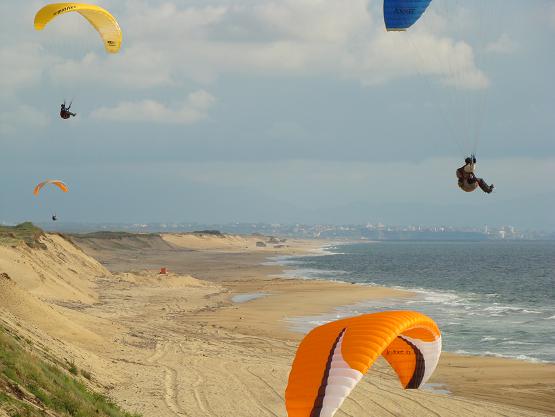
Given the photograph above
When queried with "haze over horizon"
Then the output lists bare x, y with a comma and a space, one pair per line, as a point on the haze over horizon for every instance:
276, 111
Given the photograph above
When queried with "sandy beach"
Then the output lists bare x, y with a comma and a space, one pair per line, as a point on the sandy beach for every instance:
211, 338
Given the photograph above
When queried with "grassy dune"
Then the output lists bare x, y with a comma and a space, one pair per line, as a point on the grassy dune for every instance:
33, 386
25, 232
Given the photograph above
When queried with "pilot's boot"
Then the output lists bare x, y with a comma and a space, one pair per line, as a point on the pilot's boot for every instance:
484, 187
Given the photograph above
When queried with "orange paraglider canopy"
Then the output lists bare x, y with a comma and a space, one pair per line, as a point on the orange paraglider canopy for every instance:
333, 358
60, 184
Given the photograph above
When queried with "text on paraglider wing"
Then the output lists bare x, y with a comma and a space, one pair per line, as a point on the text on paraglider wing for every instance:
399, 352
405, 11
65, 9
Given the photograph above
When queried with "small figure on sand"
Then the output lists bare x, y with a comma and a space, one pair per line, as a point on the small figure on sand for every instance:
64, 111
468, 181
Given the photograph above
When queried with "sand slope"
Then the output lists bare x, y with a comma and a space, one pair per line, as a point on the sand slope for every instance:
51, 319
61, 272
235, 243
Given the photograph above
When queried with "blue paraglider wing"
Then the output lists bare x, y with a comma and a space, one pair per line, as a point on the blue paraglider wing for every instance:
402, 14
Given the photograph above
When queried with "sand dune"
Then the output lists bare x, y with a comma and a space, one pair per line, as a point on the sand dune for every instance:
224, 242
122, 241
60, 272
49, 318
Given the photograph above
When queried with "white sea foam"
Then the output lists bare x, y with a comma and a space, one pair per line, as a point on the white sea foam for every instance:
519, 357
325, 251
517, 342
500, 309
488, 339
501, 355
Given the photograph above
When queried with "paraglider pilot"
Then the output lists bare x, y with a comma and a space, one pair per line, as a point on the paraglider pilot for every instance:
468, 181
54, 217
64, 111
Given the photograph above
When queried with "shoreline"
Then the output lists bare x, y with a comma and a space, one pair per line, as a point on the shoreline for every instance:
421, 295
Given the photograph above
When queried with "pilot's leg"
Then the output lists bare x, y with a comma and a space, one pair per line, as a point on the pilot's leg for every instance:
485, 188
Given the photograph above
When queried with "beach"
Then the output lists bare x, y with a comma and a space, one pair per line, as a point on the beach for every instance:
213, 337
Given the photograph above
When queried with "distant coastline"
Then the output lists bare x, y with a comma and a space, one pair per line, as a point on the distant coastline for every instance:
332, 232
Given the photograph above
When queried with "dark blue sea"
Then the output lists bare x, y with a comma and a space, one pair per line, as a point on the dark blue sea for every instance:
492, 298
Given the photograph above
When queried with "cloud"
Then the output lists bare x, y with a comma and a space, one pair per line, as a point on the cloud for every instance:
503, 45
137, 67
166, 44
396, 55
22, 116
192, 110
22, 66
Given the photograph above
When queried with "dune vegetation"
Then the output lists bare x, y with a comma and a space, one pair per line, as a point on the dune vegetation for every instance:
31, 385
26, 232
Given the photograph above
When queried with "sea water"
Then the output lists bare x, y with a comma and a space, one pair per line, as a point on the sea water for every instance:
493, 298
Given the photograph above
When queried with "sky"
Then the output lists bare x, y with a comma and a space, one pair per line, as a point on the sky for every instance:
280, 111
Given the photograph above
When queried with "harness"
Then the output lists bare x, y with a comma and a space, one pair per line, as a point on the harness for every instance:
466, 182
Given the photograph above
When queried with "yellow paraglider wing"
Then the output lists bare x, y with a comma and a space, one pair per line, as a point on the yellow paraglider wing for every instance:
60, 184
99, 18
334, 357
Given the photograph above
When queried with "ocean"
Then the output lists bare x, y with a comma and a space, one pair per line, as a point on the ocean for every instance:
491, 298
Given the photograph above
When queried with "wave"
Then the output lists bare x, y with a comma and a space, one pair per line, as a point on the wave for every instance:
519, 357
488, 339
308, 273
518, 343
501, 355
500, 309
325, 251
287, 260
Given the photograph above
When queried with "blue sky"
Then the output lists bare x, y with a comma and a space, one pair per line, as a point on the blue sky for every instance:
280, 111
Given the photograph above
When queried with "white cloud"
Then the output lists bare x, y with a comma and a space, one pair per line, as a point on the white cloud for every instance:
22, 116
138, 66
22, 66
313, 20
503, 45
192, 110
394, 55
166, 44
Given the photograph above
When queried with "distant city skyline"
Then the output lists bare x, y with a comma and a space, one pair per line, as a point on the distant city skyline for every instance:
376, 231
